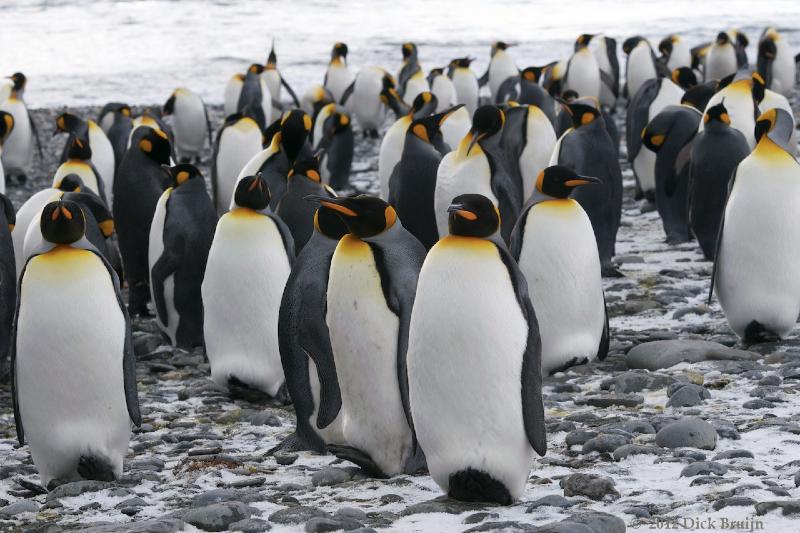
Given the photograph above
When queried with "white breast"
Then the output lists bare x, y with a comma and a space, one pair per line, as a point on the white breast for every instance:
445, 92
501, 68
365, 101
391, 151
29, 213
645, 161
238, 145
18, 147
83, 170
640, 68
339, 77
273, 80
541, 139
720, 61
583, 75
232, 91
266, 100
190, 124
155, 250
455, 127
102, 158
415, 85
467, 90
784, 69
738, 98
681, 56
458, 176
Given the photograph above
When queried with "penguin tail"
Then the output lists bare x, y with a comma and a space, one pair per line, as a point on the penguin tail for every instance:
756, 333
358, 457
240, 390
475, 486
95, 467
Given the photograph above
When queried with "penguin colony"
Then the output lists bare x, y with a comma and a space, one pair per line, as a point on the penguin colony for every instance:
411, 331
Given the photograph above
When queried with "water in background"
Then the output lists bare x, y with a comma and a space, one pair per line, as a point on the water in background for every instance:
88, 52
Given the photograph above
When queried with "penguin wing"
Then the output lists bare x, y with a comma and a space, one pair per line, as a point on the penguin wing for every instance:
507, 89
611, 52
35, 134
96, 207
532, 408
215, 150
286, 236
638, 116
513, 139
608, 80
290, 91
719, 238
602, 350
483, 80
208, 127
347, 92
518, 234
164, 267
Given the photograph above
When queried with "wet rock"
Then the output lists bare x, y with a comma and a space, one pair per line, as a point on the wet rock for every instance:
75, 488
264, 418
598, 522
476, 518
319, 525
589, 485
604, 443
725, 429
144, 343
736, 501
688, 395
578, 437
787, 507
628, 382
664, 354
131, 502
330, 475
285, 458
296, 515
687, 432
19, 507
218, 516
551, 500
703, 468
442, 504
623, 452
733, 454
638, 512
506, 527
250, 525
693, 310
758, 404
630, 426
614, 400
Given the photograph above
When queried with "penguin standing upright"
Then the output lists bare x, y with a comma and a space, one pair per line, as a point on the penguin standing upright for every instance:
118, 133
79, 161
180, 238
442, 88
304, 339
190, 123
741, 99
8, 281
465, 83
754, 268
477, 167
248, 264
238, 140
294, 210
102, 150
583, 72
531, 93
411, 80
641, 64
528, 139
6, 125
501, 67
776, 63
675, 53
716, 152
274, 81
138, 180
232, 91
555, 246
587, 149
338, 76
17, 153
108, 114
375, 266
314, 99
74, 395
606, 54
255, 96
474, 330
720, 60
365, 100
333, 136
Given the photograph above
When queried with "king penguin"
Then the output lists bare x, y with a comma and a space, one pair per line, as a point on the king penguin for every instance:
304, 339
501, 67
248, 265
641, 64
17, 153
102, 150
74, 395
605, 52
275, 81
180, 238
232, 91
364, 99
255, 96
6, 125
720, 60
531, 93
411, 80
371, 286
108, 114
314, 99
238, 140
776, 63
474, 330
528, 138
8, 282
334, 139
294, 210
189, 122
754, 269
741, 99
118, 133
555, 246
139, 180
442, 88
716, 152
465, 82
79, 161
587, 149
675, 53
583, 72
338, 76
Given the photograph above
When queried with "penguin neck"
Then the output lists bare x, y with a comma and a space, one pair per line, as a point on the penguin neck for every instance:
771, 151
338, 61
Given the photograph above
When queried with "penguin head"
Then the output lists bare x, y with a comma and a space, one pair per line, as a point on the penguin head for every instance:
255, 68
388, 91
169, 106
62, 222
155, 145
499, 46
70, 183
487, 121
684, 77
6, 125
424, 104
473, 215
339, 51
776, 125
582, 111
409, 51
532, 74
79, 149
741, 39
699, 95
68, 123
272, 58
252, 192
338, 121
558, 181
666, 44
365, 216
18, 81
569, 95
179, 174
631, 43
759, 89
722, 38
295, 127
767, 48
717, 113
462, 62
307, 167
583, 41
433, 74
328, 222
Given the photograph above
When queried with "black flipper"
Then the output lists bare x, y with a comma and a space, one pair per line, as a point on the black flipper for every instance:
165, 266
208, 128
347, 92
483, 80
35, 134
518, 234
608, 80
605, 341
719, 239
507, 90
357, 457
290, 91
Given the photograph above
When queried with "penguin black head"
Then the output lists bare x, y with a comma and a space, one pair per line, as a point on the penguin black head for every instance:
255, 68
759, 87
155, 144
389, 92
500, 45
776, 125
488, 120
6, 125
365, 216
532, 74
252, 192
558, 181
424, 104
409, 51
723, 38
62, 222
180, 174
581, 111
631, 42
272, 58
339, 51
169, 106
665, 46
717, 113
307, 167
328, 222
79, 149
473, 215
68, 123
70, 183
462, 62
338, 122
295, 127
583, 41
19, 81
684, 77
435, 72
767, 48
741, 39
699, 95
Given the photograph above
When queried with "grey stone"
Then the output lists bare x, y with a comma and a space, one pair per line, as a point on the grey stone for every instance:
296, 515
703, 468
250, 525
604, 443
442, 504
598, 522
725, 429
631, 400
787, 507
638, 512
664, 354
687, 432
264, 418
505, 527
320, 524
352, 512
285, 458
688, 396
735, 501
551, 500
578, 437
330, 475
758, 404
131, 502
214, 496
217, 516
19, 507
76, 488
628, 382
623, 452
589, 485
630, 426
158, 525
733, 454
476, 518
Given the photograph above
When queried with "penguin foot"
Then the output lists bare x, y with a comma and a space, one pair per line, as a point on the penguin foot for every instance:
475, 486
674, 239
242, 391
91, 467
756, 333
569, 364
357, 457
294, 443
610, 271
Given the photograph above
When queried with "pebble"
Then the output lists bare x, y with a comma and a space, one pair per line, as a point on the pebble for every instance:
330, 475
623, 452
579, 437
604, 443
703, 468
250, 525
787, 507
589, 485
551, 500
218, 516
19, 507
321, 524
736, 501
296, 515
687, 432
733, 454
688, 395
615, 400
656, 355
758, 404
75, 488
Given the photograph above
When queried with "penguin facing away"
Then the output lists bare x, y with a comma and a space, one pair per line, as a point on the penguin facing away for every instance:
74, 395
8, 282
334, 140
190, 123
237, 141
180, 238
17, 154
376, 265
255, 96
606, 54
275, 81
338, 76
583, 72
465, 83
411, 80
294, 210
528, 138
775, 62
232, 91
79, 161
473, 328
304, 339
118, 133
248, 265
102, 150
721, 60
501, 67
442, 88
754, 270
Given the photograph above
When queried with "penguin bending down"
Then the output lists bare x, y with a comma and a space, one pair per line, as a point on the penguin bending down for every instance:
6, 125
238, 140
108, 114
334, 139
720, 60
255, 96
477, 166
118, 133
716, 152
180, 238
640, 66
375, 266
17, 154
411, 80
465, 82
304, 338
587, 149
8, 282
583, 72
314, 99
74, 395
775, 62
248, 264
501, 67
675, 53
473, 328
190, 124
531, 93
606, 54
338, 76
670, 135
294, 210
754, 269
528, 138
102, 151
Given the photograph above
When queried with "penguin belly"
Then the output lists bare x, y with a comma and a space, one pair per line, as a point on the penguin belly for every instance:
70, 387
331, 434
391, 151
681, 56
606, 97
583, 75
720, 62
738, 98
640, 68
266, 100
501, 68
337, 79
541, 139
560, 262
465, 388
784, 70
83, 170
414, 86
445, 93
458, 176
237, 146
364, 334
467, 89
245, 276
155, 251
756, 266
365, 102
102, 159
455, 127
273, 80
190, 126
29, 213
18, 146
233, 89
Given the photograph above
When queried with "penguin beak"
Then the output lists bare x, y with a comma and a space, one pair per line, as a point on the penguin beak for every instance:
337, 204
577, 181
458, 210
474, 141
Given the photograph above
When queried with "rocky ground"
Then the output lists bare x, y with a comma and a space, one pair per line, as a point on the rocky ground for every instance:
679, 427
